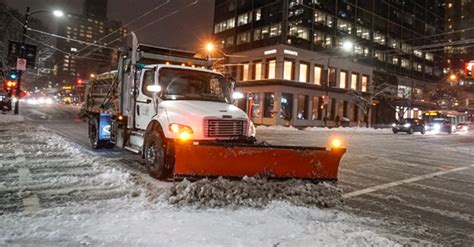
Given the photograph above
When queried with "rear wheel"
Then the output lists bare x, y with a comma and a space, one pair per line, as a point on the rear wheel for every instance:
410, 131
423, 131
94, 134
155, 156
394, 131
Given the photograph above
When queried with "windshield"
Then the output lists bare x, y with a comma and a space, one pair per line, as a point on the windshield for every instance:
184, 84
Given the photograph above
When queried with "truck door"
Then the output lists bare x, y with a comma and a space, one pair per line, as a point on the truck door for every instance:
145, 106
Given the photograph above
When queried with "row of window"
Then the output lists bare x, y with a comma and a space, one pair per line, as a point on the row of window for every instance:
304, 74
304, 112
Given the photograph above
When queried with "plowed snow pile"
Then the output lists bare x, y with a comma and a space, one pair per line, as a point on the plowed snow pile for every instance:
251, 192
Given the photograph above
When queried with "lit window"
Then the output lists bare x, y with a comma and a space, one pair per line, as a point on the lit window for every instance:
302, 107
245, 72
271, 71
405, 63
258, 14
299, 31
365, 83
258, 71
363, 32
243, 38
342, 79
288, 70
354, 81
268, 103
379, 38
244, 19
317, 75
344, 26
303, 72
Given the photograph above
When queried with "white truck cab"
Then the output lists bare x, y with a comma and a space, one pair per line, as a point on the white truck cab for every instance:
189, 103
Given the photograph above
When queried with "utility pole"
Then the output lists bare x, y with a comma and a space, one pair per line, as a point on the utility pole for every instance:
22, 56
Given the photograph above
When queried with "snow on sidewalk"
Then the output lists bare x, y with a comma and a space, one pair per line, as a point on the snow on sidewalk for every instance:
7, 118
83, 199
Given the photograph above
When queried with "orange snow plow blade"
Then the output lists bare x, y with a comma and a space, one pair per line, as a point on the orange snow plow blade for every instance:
239, 160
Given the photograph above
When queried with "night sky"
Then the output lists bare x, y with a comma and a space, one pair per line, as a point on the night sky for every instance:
186, 29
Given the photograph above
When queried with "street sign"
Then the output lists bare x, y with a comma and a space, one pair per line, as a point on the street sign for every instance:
21, 64
14, 53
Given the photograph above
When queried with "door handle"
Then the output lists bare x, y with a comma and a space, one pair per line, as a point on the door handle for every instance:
138, 110
148, 101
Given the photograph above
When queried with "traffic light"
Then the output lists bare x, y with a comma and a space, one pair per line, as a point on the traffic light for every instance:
80, 81
12, 75
9, 85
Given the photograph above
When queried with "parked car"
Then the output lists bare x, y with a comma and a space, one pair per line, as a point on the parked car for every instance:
409, 125
439, 125
464, 127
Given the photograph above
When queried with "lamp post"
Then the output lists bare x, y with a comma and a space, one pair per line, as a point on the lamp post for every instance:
22, 54
209, 49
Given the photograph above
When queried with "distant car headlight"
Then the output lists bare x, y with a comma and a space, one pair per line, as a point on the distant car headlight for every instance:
48, 101
394, 125
407, 125
437, 127
465, 128
41, 100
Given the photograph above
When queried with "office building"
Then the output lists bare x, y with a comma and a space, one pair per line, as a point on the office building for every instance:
288, 55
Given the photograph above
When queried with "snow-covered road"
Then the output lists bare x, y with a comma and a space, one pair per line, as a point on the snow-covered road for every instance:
54, 192
398, 189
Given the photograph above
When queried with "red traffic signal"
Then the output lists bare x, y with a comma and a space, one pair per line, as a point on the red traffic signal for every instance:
80, 81
9, 85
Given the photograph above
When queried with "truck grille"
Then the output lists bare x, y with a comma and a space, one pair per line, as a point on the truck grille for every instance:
224, 127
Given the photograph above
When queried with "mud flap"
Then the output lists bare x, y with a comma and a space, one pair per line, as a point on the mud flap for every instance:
239, 160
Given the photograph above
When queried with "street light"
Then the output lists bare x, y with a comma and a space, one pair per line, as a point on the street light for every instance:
209, 48
347, 45
56, 13
452, 77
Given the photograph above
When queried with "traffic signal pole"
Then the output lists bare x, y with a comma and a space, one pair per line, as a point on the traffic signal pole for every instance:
22, 56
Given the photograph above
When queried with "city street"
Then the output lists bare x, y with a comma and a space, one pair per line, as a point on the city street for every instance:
401, 188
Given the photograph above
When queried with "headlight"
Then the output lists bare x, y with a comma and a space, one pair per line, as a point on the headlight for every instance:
394, 125
48, 101
465, 128
183, 131
437, 127
407, 125
41, 100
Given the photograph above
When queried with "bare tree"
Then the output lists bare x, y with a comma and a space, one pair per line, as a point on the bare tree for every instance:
404, 98
365, 100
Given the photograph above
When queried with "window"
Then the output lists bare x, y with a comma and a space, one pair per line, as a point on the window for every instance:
395, 60
379, 38
380, 56
268, 103
322, 18
224, 25
302, 107
365, 83
243, 38
332, 76
271, 69
418, 53
317, 75
257, 71
304, 72
418, 67
288, 70
245, 72
429, 70
286, 103
244, 19
267, 32
299, 31
148, 80
322, 39
258, 14
363, 32
255, 109
393, 43
405, 63
344, 26
342, 79
429, 56
317, 108
354, 81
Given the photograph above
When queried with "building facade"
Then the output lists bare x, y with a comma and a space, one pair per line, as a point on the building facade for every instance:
77, 61
387, 42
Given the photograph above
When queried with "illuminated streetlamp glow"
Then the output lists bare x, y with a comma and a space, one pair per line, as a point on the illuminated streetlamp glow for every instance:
209, 47
452, 77
58, 13
347, 45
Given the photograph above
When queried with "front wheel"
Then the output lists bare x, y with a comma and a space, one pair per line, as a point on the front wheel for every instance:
155, 156
94, 134
394, 131
410, 131
423, 131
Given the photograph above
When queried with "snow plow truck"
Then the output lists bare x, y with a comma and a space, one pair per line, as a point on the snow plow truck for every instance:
166, 106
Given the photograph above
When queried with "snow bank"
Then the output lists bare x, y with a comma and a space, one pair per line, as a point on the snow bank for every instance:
11, 119
276, 127
251, 192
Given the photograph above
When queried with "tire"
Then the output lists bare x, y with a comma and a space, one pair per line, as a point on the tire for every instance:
395, 131
94, 134
155, 156
423, 131
450, 131
410, 131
